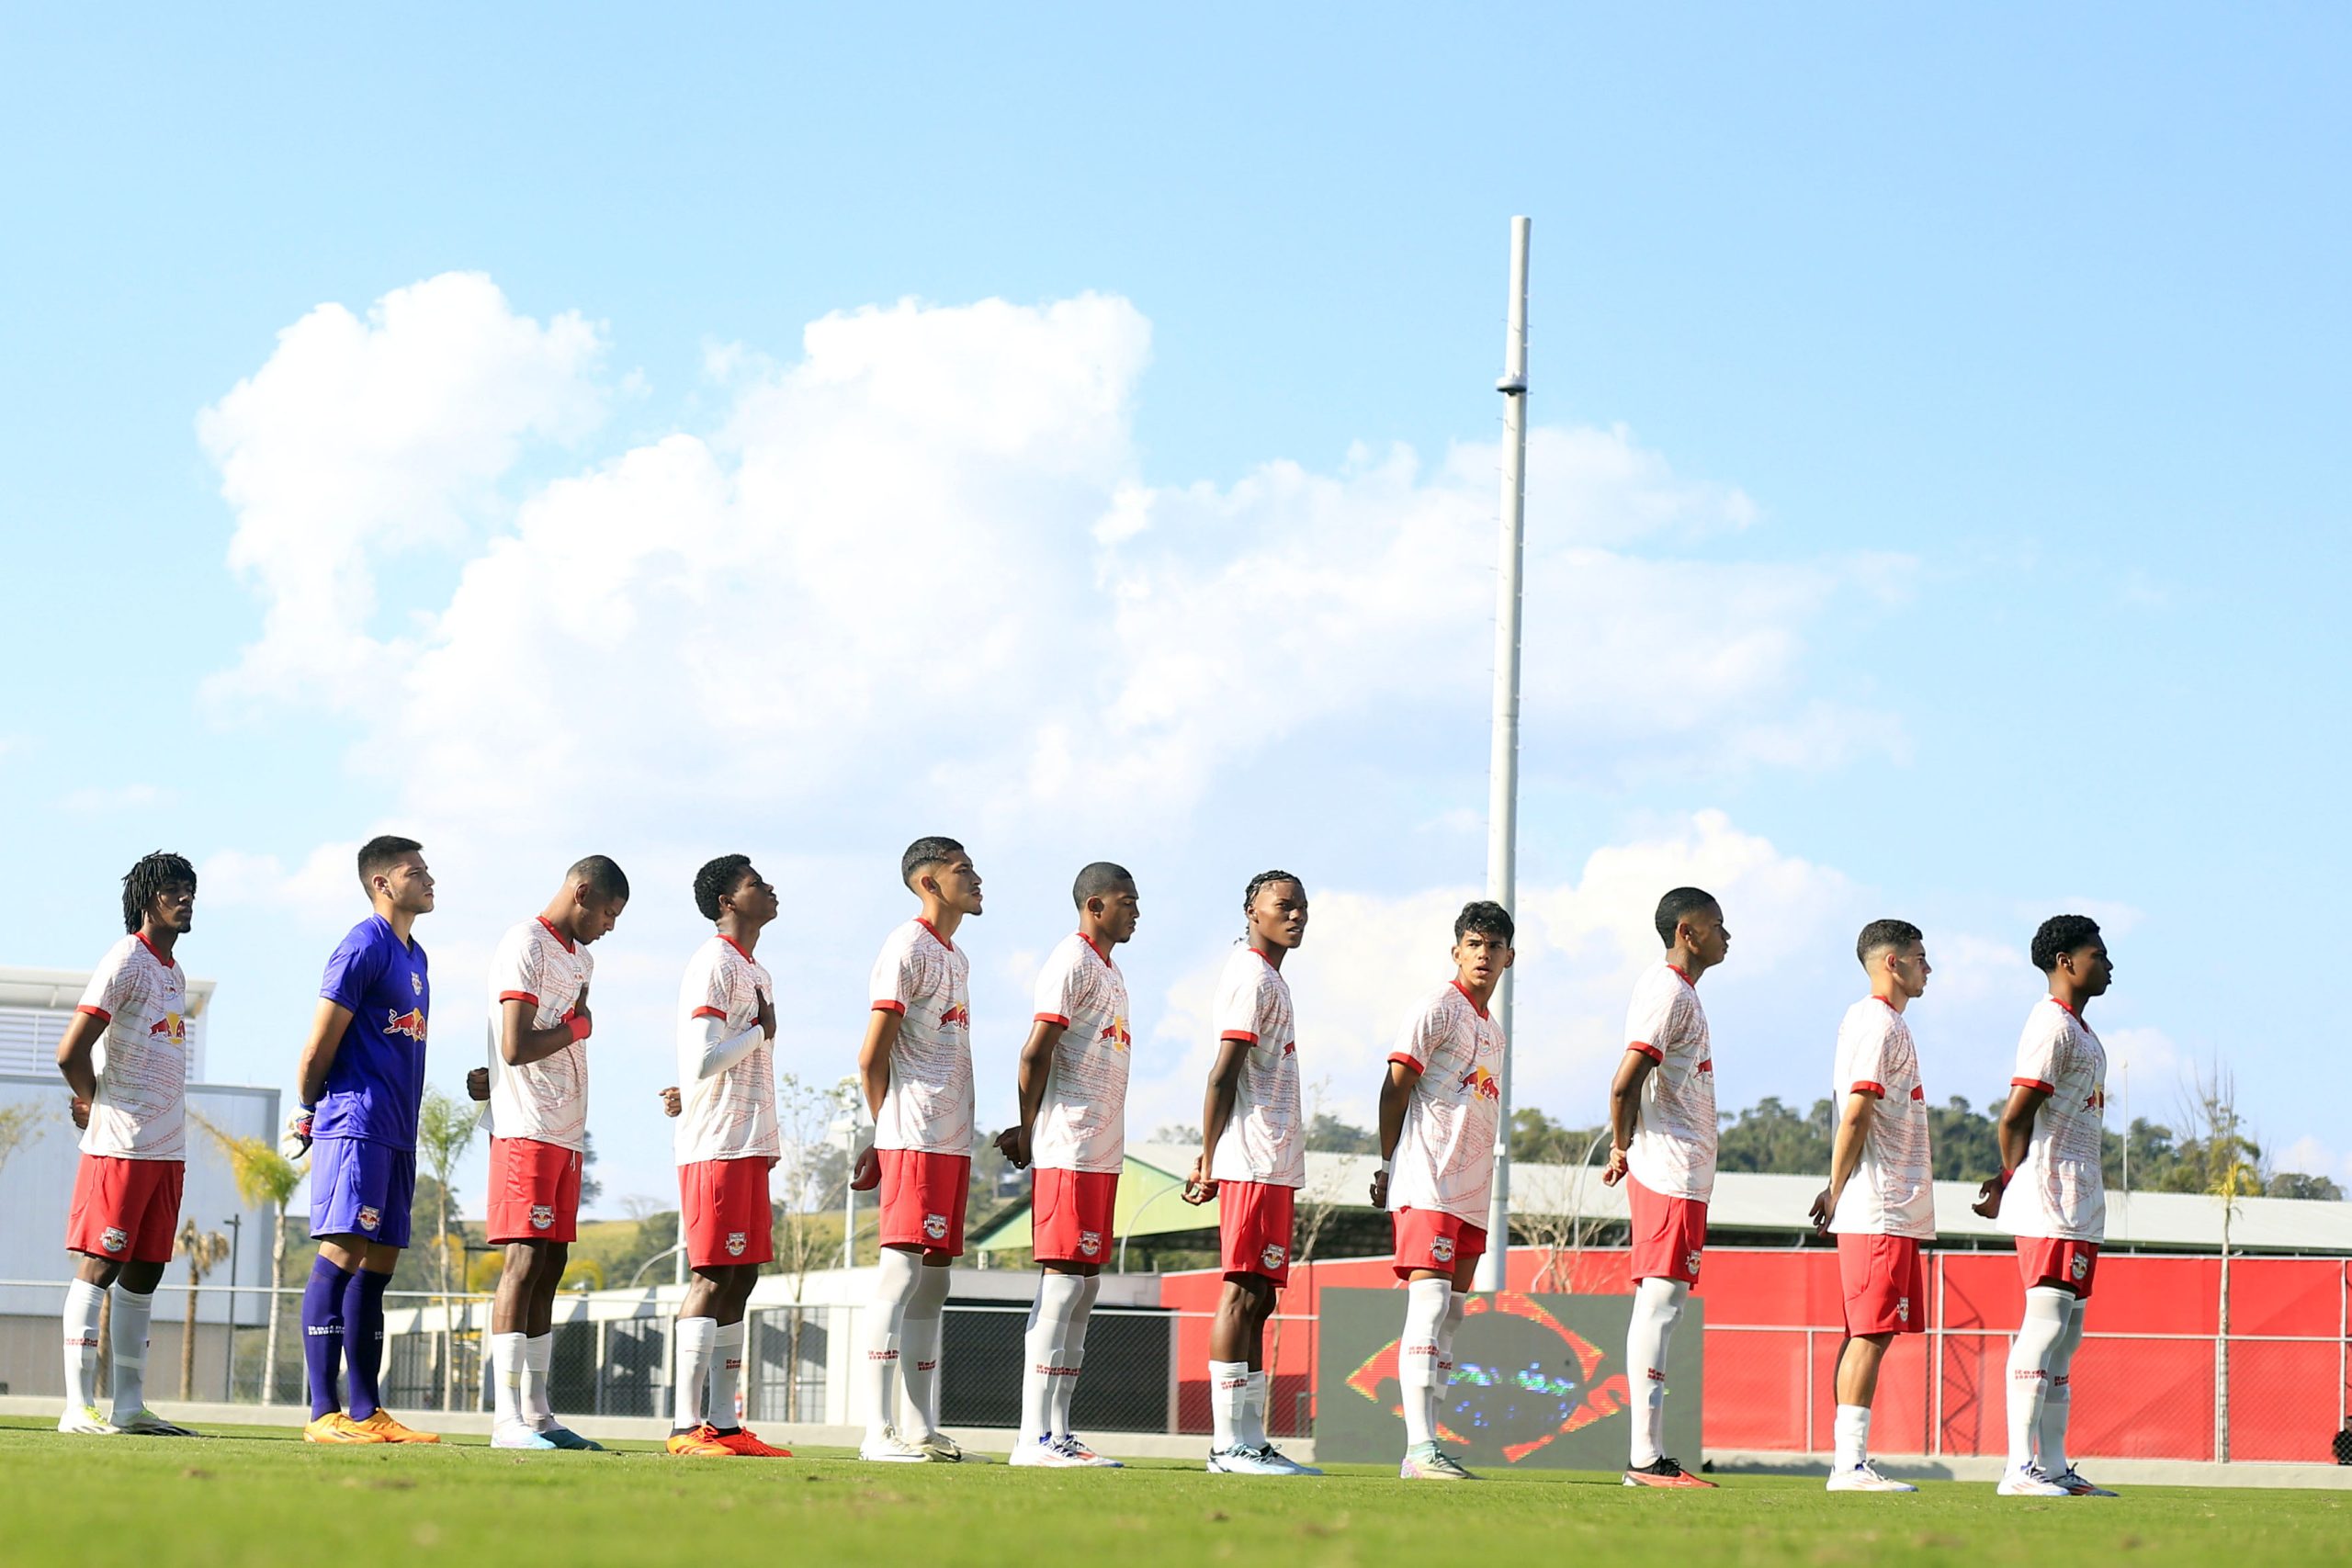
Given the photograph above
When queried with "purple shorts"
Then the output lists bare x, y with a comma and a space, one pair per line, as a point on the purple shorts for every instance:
362, 1187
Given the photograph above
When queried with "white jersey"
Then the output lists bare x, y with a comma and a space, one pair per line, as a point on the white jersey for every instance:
1891, 1192
731, 1113
2059, 1192
926, 979
546, 1101
1673, 1152
1082, 1121
1265, 1138
1446, 1154
140, 1111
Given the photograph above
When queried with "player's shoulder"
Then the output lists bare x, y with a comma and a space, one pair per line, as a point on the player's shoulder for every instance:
904, 940
123, 954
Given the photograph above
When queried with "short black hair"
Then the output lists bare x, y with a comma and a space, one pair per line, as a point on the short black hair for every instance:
1681, 901
1881, 934
381, 854
1100, 879
931, 851
1486, 918
715, 880
1250, 894
146, 878
2060, 935
603, 876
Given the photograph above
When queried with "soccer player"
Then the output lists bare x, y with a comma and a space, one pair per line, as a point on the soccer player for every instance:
1253, 1161
916, 1068
1662, 1144
1881, 1200
1438, 1106
124, 1057
1073, 1134
540, 1025
726, 1143
2052, 1196
361, 1082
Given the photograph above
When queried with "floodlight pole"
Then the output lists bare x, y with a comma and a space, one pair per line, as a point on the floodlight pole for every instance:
1503, 801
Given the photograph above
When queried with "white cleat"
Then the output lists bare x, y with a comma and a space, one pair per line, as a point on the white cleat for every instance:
1084, 1455
2029, 1482
1865, 1477
2077, 1486
515, 1435
1273, 1455
1044, 1453
1238, 1461
886, 1446
941, 1449
1427, 1462
87, 1422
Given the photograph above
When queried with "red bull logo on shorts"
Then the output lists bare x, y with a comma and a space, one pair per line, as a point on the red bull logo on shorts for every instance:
935, 1227
1690, 1261
370, 1217
1274, 1255
1089, 1242
736, 1242
2078, 1266
542, 1216
1442, 1248
114, 1238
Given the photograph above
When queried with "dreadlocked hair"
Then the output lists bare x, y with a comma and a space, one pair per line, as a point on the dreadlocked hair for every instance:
1250, 894
147, 878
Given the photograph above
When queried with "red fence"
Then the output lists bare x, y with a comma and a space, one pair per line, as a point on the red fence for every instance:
2146, 1385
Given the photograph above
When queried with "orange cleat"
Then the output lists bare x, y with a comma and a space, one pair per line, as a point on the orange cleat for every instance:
335, 1427
388, 1430
1665, 1473
743, 1441
702, 1439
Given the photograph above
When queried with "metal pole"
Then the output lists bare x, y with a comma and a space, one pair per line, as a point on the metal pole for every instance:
1503, 801
236, 1223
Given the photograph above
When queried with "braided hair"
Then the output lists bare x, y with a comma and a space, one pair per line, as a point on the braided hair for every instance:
1250, 894
147, 878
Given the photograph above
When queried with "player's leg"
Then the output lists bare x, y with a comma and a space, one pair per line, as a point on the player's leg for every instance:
510, 1318
97, 1237
1059, 1288
1670, 1234
2048, 1312
1073, 1357
545, 1280
1879, 1278
945, 1182
349, 1193
1428, 1294
153, 1206
388, 1177
2058, 1400
1272, 1225
897, 1279
696, 1343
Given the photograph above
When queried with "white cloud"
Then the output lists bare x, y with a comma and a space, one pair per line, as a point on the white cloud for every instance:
95, 799
323, 887
2312, 1158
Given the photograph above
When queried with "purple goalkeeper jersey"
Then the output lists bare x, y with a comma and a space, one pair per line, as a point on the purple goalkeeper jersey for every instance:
378, 1078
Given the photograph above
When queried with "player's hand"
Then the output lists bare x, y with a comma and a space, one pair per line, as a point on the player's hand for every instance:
580, 1021
1014, 1145
478, 1084
1988, 1200
1380, 1190
673, 1102
1198, 1187
767, 1015
865, 1171
297, 1131
1821, 1211
80, 1112
1616, 1169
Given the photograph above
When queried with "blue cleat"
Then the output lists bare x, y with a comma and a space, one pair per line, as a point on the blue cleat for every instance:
565, 1437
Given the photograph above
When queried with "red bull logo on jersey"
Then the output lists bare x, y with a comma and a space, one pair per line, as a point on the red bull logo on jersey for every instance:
168, 1027
1090, 1243
935, 1227
736, 1242
1483, 1083
958, 1016
411, 1023
542, 1216
1115, 1034
114, 1238
370, 1217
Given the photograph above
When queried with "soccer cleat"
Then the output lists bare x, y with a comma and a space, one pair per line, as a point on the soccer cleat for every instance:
565, 1437
1426, 1462
886, 1446
1663, 1471
390, 1431
1044, 1453
1239, 1461
744, 1442
335, 1427
1084, 1455
147, 1423
1865, 1477
1274, 1455
941, 1449
87, 1422
515, 1435
2077, 1486
2028, 1482
701, 1441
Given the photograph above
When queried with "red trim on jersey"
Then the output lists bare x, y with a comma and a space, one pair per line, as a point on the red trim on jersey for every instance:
1686, 978
934, 933
518, 997
1918, 1092
1098, 951
738, 947
1708, 1065
1468, 998
1888, 1000
708, 1012
1050, 1018
568, 945
2033, 1083
1269, 962
1241, 1034
152, 949
2070, 1012
884, 1004
1866, 1087
1646, 1049
1409, 1061
99, 1013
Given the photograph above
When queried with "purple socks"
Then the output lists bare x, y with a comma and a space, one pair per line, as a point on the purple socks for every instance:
363, 1337
323, 1319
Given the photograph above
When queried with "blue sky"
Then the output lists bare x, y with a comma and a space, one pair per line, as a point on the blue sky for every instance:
1938, 505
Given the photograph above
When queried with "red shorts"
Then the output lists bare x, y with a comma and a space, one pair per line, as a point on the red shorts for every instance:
1668, 1234
1433, 1239
923, 1200
1885, 1283
2070, 1263
1069, 1215
1253, 1222
725, 1205
126, 1210
534, 1191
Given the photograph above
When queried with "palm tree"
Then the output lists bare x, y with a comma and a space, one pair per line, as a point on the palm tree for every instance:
444, 1128
266, 1180
204, 1250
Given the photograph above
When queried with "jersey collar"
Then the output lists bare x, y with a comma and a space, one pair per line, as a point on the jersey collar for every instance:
149, 946
1686, 978
934, 933
1466, 996
736, 945
567, 941
1098, 951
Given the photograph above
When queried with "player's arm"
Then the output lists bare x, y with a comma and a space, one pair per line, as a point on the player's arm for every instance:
1395, 1093
1216, 1110
2014, 1131
317, 1060
1845, 1153
874, 1057
77, 1053
518, 1043
1036, 1068
1626, 1108
711, 1050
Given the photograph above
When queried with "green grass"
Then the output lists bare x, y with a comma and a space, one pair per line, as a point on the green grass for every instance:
261, 1498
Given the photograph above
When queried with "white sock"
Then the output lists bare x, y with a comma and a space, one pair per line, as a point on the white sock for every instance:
727, 1375
84, 1302
531, 1393
1454, 1309
506, 1378
1229, 1389
1049, 1319
1251, 1432
128, 1331
920, 1339
697, 1336
2057, 1399
1657, 1305
1416, 1355
1063, 1393
1854, 1437
2048, 1310
894, 1287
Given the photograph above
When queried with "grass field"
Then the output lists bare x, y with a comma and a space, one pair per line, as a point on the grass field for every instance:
261, 1498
